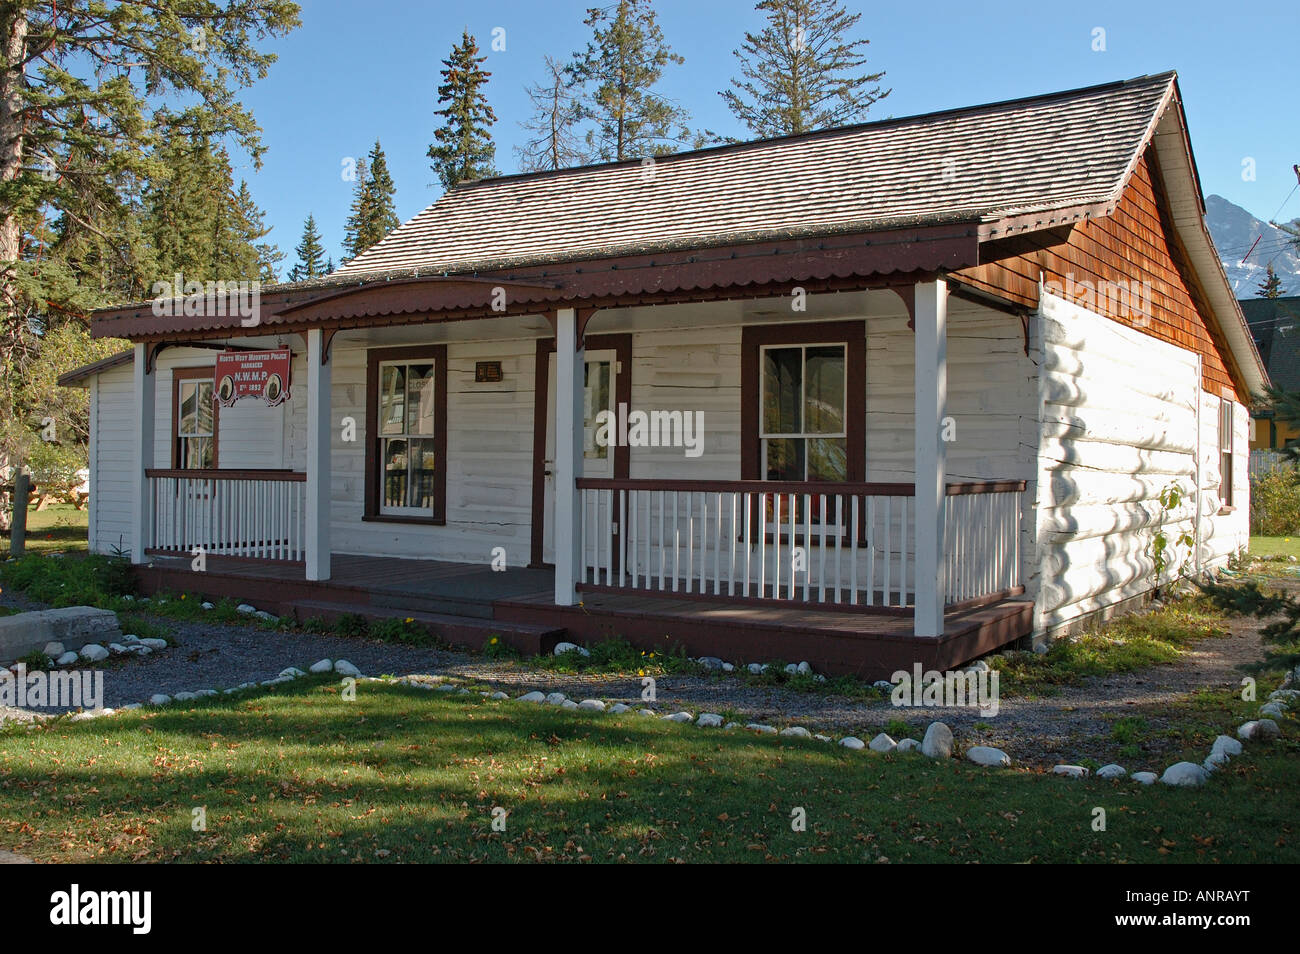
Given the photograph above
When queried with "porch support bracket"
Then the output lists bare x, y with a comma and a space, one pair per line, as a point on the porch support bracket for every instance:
583, 316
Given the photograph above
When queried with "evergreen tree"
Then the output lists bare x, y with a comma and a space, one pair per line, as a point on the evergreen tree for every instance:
373, 214
249, 256
383, 214
311, 253
84, 127
198, 223
554, 143
625, 60
1271, 286
801, 72
462, 148
355, 231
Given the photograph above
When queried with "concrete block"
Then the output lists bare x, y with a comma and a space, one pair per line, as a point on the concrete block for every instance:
73, 626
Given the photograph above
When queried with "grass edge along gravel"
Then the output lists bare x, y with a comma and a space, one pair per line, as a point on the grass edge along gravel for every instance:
403, 774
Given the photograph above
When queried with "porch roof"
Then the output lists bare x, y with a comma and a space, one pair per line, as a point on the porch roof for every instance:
860, 206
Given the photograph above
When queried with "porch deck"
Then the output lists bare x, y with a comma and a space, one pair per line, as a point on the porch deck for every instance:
466, 603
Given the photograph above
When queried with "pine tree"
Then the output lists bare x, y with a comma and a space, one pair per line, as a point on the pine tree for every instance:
84, 88
311, 253
383, 211
355, 231
625, 59
249, 257
372, 215
554, 143
1271, 286
462, 149
801, 72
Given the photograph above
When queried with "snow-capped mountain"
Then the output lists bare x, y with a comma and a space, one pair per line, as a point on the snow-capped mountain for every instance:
1234, 230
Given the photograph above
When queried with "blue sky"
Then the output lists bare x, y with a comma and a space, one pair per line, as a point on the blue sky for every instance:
355, 72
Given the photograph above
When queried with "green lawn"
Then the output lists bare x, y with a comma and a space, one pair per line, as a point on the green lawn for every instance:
59, 527
407, 775
1275, 546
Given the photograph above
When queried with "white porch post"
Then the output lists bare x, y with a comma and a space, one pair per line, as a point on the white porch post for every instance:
142, 456
570, 362
319, 428
931, 320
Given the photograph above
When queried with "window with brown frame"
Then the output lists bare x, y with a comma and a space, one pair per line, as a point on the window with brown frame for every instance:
1225, 452
406, 434
194, 419
803, 400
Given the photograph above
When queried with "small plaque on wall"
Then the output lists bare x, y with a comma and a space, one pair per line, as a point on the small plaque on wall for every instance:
488, 372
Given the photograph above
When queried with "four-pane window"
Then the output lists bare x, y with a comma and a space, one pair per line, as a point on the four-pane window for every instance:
803, 435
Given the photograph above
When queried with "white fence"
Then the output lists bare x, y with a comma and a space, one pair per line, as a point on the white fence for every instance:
255, 514
834, 543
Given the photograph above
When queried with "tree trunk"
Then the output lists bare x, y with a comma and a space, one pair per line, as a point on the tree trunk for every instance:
13, 46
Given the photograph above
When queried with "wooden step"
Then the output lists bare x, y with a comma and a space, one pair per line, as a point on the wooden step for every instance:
460, 632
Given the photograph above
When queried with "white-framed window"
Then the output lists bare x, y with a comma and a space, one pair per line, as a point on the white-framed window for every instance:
408, 461
803, 415
195, 417
1226, 413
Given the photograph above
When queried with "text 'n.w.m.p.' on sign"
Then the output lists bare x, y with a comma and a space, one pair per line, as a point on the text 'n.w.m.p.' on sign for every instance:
263, 374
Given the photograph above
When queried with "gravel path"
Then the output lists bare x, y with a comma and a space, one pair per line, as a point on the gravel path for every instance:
1067, 726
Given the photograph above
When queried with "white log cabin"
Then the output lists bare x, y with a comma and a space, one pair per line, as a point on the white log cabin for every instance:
900, 392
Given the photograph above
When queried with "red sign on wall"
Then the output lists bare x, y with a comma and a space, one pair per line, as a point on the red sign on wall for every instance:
263, 374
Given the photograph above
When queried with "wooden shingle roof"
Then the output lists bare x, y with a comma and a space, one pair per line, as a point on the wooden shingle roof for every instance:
983, 164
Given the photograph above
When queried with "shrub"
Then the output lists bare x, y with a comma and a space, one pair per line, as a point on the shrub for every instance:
396, 630
1275, 504
93, 580
494, 647
350, 624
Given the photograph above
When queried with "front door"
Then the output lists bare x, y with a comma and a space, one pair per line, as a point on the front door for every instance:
600, 387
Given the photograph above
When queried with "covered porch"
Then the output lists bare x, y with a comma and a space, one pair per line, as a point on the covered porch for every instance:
889, 540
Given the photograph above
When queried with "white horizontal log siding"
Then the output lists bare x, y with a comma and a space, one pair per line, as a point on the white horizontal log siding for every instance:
489, 455
1223, 534
489, 459
1117, 425
689, 369
110, 477
992, 391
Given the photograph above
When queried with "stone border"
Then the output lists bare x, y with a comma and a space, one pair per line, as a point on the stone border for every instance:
937, 743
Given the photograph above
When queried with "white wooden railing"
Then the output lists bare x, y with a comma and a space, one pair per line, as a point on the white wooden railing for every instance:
834, 544
981, 541
257, 514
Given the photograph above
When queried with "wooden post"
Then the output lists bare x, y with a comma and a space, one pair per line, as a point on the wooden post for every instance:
931, 402
18, 529
570, 362
319, 428
143, 379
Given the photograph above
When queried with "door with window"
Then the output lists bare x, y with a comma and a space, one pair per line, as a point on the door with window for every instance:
195, 425
599, 388
194, 419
